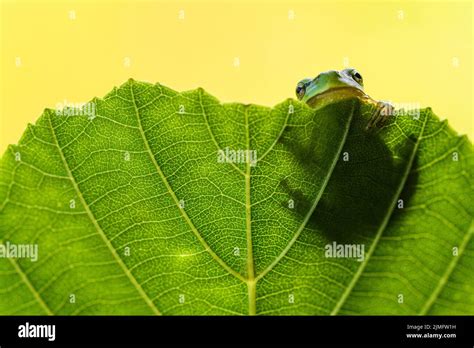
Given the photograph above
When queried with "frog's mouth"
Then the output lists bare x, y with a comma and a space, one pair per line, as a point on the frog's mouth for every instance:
335, 94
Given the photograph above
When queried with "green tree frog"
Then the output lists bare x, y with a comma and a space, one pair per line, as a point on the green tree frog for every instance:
335, 85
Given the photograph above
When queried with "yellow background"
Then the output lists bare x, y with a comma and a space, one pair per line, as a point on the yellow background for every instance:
409, 52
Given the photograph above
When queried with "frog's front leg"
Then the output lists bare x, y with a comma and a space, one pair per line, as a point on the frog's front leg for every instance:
382, 111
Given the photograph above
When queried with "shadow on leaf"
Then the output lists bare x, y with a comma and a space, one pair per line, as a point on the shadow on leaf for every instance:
361, 192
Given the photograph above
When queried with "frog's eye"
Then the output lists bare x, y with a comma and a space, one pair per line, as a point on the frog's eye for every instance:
300, 90
357, 77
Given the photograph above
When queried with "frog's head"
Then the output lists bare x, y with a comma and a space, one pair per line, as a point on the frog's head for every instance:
331, 80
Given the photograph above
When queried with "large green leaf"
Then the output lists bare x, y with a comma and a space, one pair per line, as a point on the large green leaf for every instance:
133, 213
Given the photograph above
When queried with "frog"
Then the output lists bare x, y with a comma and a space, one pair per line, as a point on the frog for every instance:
333, 85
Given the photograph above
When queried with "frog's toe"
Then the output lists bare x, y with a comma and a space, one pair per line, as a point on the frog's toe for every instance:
383, 110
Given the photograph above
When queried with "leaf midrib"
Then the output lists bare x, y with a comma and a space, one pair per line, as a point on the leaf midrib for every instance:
251, 282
